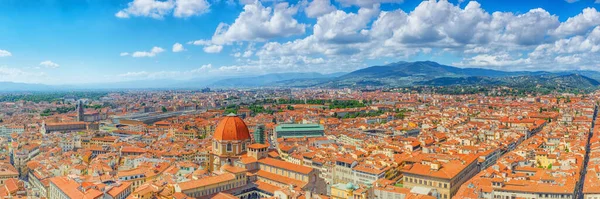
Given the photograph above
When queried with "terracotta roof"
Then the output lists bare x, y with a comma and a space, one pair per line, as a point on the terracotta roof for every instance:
119, 189
263, 186
231, 127
192, 184
224, 196
258, 146
281, 179
286, 165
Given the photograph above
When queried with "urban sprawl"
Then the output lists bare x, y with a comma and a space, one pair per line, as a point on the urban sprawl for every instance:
300, 143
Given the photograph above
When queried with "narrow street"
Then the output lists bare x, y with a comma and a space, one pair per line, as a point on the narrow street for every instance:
579, 188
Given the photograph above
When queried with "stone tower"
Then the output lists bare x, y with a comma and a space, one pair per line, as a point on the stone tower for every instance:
80, 111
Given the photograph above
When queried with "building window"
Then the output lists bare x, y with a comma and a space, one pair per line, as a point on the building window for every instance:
243, 146
229, 148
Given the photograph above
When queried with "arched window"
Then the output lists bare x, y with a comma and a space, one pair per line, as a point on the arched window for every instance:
229, 148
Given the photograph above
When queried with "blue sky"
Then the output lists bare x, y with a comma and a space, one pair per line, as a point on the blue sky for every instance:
91, 41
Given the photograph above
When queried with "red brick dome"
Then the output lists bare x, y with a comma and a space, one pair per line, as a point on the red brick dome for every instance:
231, 128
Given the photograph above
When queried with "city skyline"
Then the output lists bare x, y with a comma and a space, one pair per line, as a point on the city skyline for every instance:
70, 42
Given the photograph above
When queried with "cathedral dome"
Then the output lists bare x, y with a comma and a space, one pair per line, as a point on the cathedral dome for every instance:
231, 128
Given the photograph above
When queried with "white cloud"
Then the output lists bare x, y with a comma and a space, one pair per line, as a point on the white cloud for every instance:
123, 54
442, 24
485, 39
318, 8
49, 64
147, 8
157, 9
387, 22
493, 60
247, 54
213, 49
122, 14
530, 28
5, 53
478, 50
202, 69
342, 27
579, 24
259, 23
576, 44
342, 40
569, 59
209, 47
187, 8
366, 3
177, 47
200, 42
153, 52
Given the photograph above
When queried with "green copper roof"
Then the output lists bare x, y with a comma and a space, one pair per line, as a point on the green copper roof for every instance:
299, 127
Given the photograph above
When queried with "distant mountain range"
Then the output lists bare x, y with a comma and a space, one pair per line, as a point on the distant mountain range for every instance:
552, 81
270, 79
212, 82
391, 75
435, 74
12, 86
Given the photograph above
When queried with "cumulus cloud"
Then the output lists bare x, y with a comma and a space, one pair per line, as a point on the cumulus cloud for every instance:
200, 42
484, 39
248, 52
318, 8
366, 3
157, 9
123, 54
5, 53
342, 27
187, 8
209, 46
577, 44
202, 69
146, 8
530, 28
493, 60
579, 24
49, 64
213, 49
153, 52
177, 47
260, 23
343, 40
446, 25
